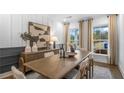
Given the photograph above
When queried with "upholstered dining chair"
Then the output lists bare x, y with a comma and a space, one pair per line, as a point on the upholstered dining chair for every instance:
91, 59
80, 73
17, 74
86, 63
90, 67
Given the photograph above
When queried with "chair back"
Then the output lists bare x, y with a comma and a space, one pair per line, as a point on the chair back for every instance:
17, 74
77, 76
83, 67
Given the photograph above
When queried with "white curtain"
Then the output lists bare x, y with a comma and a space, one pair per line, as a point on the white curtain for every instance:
90, 27
86, 34
113, 38
66, 35
81, 34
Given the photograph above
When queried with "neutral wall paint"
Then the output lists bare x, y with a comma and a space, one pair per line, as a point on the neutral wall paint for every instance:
74, 25
121, 42
58, 31
12, 25
5, 30
100, 21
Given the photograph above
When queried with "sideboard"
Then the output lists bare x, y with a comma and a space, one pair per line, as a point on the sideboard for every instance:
27, 57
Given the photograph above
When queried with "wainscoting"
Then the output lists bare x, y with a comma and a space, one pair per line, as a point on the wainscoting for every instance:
9, 57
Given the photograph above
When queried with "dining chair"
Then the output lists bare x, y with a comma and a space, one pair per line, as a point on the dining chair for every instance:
81, 73
17, 74
77, 76
90, 66
21, 62
87, 64
91, 59
82, 49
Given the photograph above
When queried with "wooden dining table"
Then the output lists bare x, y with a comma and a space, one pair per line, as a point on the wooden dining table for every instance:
54, 67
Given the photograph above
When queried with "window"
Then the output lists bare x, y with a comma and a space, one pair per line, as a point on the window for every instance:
74, 37
100, 39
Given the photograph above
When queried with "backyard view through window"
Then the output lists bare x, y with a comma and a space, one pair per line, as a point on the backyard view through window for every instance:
100, 40
74, 37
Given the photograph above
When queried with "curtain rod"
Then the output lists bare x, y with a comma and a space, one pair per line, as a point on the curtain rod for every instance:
112, 14
86, 19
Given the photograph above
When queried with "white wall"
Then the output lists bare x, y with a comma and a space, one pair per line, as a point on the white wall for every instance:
58, 31
74, 25
5, 30
12, 25
16, 30
121, 42
100, 21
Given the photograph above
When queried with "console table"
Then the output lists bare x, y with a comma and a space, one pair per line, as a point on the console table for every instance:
27, 57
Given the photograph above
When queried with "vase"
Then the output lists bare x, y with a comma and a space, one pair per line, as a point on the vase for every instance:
34, 47
28, 47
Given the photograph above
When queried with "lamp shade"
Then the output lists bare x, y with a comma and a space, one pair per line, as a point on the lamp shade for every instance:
54, 38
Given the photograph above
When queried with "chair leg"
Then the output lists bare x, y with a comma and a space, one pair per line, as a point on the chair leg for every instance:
86, 74
89, 72
92, 67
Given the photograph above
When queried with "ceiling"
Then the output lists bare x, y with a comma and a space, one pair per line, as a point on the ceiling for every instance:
73, 17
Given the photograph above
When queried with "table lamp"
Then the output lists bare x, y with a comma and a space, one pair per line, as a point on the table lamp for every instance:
54, 39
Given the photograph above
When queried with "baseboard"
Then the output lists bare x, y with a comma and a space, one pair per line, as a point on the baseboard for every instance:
122, 73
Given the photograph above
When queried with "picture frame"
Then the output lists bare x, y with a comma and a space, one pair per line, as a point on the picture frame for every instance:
42, 31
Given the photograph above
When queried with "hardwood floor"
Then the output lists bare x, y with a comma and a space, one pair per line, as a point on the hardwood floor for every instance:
106, 71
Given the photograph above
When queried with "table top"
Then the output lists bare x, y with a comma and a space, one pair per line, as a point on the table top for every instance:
55, 67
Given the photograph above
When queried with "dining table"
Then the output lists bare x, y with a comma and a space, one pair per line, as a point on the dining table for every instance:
55, 67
